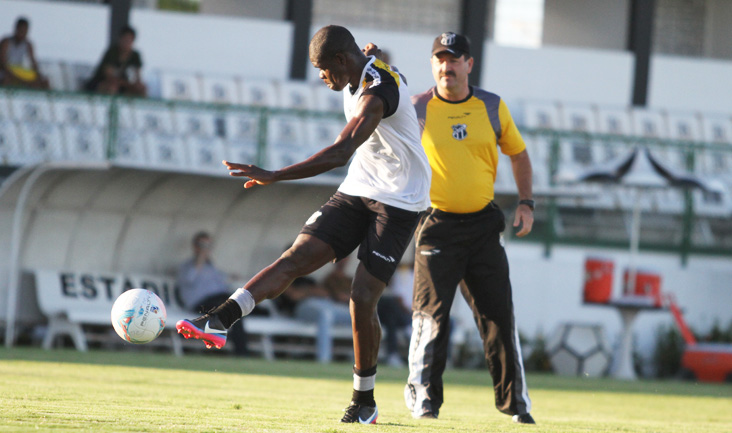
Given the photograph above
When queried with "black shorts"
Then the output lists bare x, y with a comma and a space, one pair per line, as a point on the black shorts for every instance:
383, 231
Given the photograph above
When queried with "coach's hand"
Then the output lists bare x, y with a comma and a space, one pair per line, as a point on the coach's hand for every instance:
524, 218
256, 175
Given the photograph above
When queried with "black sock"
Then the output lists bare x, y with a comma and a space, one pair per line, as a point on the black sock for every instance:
228, 312
364, 397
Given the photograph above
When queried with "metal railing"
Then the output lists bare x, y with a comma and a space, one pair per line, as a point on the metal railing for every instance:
38, 126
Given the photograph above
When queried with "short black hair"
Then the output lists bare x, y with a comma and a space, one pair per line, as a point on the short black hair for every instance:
128, 30
199, 236
331, 40
21, 21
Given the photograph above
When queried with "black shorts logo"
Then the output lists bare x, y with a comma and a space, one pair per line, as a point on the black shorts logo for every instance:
389, 259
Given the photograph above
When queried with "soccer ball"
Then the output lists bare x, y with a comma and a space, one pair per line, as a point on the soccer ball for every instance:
138, 316
578, 349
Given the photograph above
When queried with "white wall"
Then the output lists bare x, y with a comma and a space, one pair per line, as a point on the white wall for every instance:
683, 83
251, 48
213, 44
59, 30
558, 73
547, 292
167, 40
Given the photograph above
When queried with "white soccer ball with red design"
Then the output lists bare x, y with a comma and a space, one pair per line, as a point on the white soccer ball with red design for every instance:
138, 316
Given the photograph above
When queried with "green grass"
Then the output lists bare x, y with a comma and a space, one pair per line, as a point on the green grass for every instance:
139, 391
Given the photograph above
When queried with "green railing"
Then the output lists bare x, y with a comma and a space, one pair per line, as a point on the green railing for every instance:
38, 126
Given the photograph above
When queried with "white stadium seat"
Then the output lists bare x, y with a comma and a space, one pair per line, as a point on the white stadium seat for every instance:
73, 111
649, 123
166, 150
41, 142
10, 151
205, 154
541, 115
258, 93
5, 113
717, 128
153, 118
100, 108
129, 148
77, 75
296, 95
286, 141
684, 126
195, 121
84, 143
31, 107
54, 71
326, 99
613, 121
322, 133
221, 90
180, 86
578, 118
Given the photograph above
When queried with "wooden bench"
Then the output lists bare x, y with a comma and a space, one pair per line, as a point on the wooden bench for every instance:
71, 299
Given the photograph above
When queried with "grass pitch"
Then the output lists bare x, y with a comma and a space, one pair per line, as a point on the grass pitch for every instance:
140, 391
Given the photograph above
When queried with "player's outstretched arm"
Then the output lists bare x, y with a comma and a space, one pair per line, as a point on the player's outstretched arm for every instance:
369, 112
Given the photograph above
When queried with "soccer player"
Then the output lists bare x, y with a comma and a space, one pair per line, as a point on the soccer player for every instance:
458, 241
377, 206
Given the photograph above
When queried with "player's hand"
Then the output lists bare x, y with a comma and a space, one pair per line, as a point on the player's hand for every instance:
372, 50
256, 175
524, 218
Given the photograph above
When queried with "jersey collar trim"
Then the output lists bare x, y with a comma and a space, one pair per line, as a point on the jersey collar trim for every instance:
437, 95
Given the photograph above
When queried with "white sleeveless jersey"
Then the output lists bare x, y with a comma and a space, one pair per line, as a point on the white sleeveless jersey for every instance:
390, 166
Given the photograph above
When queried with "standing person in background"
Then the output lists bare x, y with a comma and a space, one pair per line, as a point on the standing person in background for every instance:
459, 240
375, 209
119, 71
18, 65
202, 286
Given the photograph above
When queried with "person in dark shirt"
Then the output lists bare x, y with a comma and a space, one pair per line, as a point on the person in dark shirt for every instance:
119, 70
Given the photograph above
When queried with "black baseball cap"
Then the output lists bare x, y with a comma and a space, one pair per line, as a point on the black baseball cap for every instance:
452, 43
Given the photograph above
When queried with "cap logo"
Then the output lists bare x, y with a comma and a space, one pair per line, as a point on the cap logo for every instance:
447, 39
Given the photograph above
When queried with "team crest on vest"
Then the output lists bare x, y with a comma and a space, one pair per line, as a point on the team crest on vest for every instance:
447, 38
459, 131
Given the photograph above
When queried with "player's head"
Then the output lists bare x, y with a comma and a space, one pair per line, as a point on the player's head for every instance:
332, 50
451, 60
21, 28
127, 37
201, 242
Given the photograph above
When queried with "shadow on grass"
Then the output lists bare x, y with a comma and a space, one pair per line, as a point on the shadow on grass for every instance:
132, 356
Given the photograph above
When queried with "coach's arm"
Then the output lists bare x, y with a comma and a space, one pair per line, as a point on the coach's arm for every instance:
370, 110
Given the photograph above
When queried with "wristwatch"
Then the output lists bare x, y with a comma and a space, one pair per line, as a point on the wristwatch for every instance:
527, 202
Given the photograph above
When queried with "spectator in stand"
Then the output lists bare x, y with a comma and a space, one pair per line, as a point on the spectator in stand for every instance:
119, 72
395, 309
202, 286
18, 66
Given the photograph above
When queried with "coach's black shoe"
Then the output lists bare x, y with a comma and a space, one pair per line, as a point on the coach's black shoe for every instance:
524, 418
361, 414
207, 328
